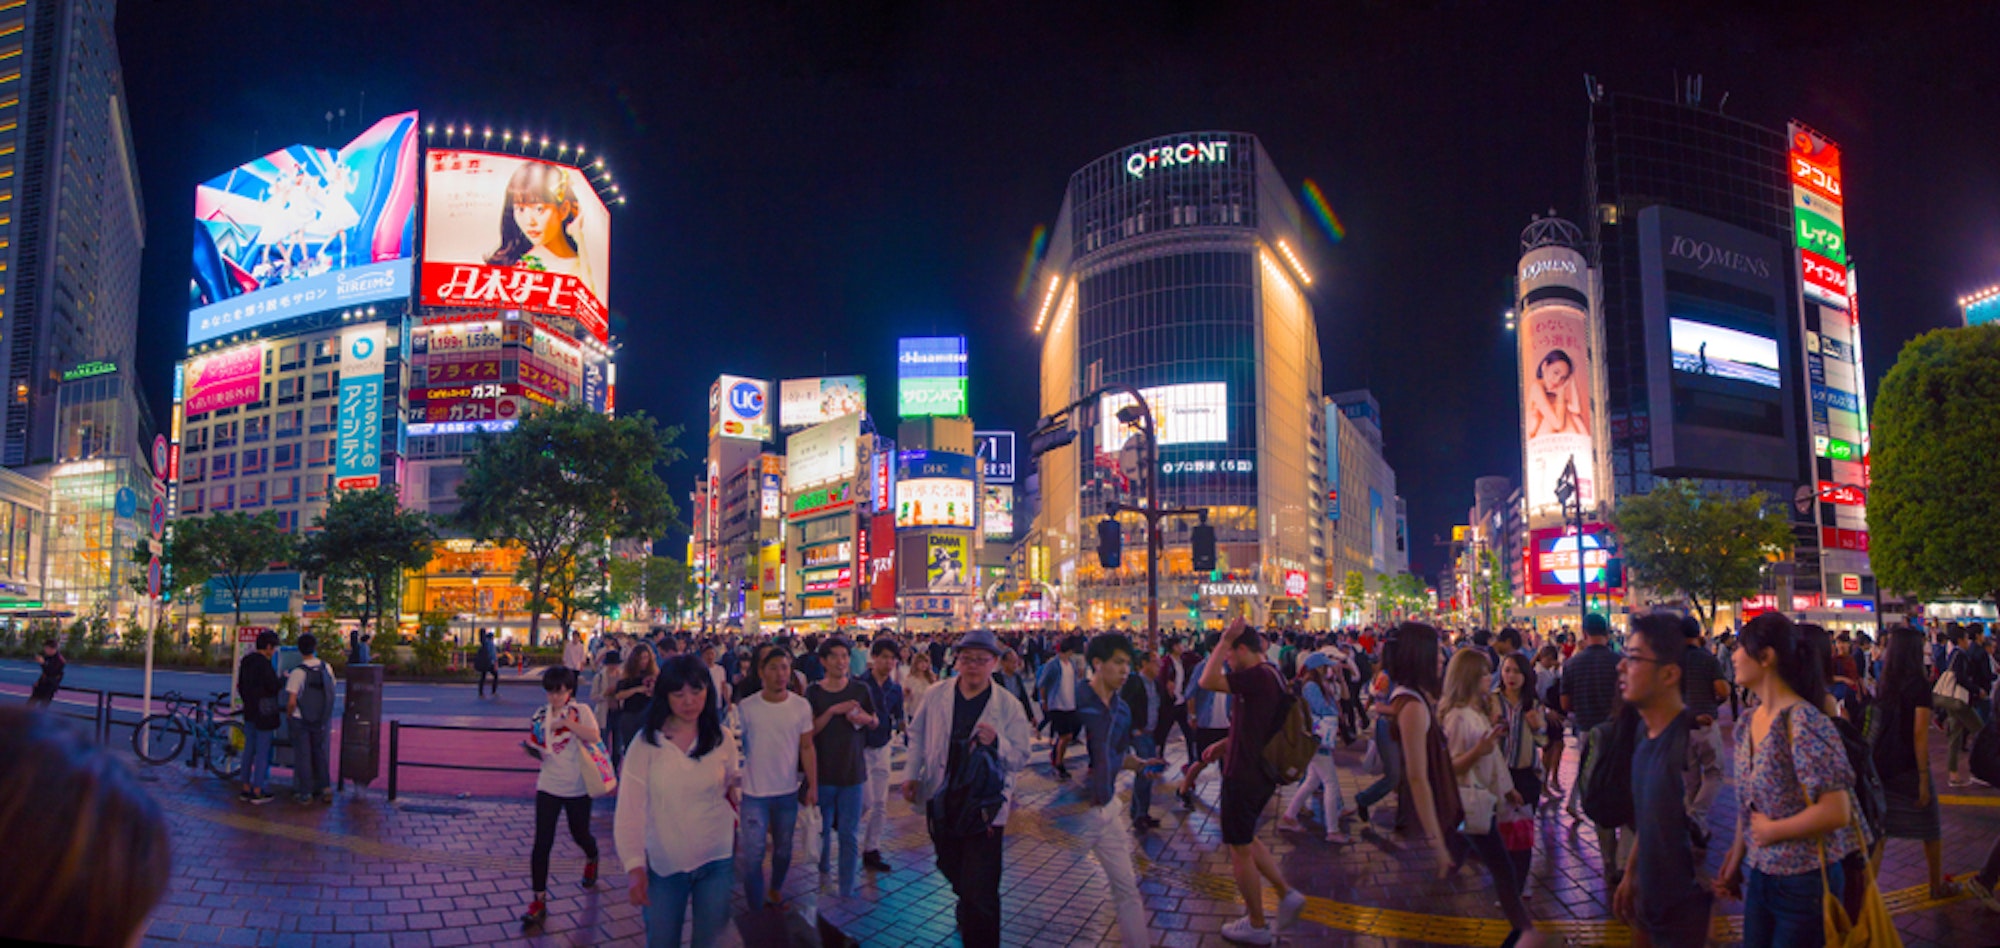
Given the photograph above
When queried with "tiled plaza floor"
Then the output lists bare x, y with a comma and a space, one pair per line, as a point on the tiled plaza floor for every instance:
439, 870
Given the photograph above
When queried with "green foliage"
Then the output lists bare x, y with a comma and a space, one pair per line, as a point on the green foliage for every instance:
1706, 546
651, 582
288, 630
361, 546
1934, 503
562, 482
433, 645
201, 644
232, 547
1499, 586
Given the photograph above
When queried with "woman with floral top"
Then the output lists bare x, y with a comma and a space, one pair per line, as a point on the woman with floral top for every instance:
1793, 781
556, 736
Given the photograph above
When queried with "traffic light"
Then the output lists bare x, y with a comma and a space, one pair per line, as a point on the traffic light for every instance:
1203, 538
1110, 543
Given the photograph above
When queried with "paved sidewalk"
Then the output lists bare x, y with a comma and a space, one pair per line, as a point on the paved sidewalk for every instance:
438, 870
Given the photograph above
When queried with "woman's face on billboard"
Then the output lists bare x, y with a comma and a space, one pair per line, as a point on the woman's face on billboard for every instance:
537, 220
1554, 372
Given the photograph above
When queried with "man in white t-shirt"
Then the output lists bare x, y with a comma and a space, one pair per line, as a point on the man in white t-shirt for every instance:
310, 690
777, 746
575, 656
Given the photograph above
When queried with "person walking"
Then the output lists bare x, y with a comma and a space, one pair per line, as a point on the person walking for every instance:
1590, 686
1702, 691
50, 679
1142, 696
1954, 700
1902, 755
1015, 678
574, 656
777, 748
259, 687
632, 694
1520, 745
310, 691
1793, 783
1172, 679
1661, 895
1473, 734
842, 714
969, 733
557, 734
1548, 695
1210, 713
886, 697
1058, 686
677, 799
486, 662
1108, 730
1322, 699
1257, 696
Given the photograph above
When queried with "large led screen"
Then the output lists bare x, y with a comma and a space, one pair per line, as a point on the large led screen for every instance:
1719, 352
303, 230
1196, 413
930, 376
803, 403
508, 232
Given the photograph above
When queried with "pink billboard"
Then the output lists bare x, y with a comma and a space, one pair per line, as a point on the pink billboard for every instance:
226, 379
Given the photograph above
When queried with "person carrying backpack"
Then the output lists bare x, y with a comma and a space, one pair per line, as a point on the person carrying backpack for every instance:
310, 691
1257, 703
486, 662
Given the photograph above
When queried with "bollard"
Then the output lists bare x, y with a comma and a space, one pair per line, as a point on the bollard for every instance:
395, 746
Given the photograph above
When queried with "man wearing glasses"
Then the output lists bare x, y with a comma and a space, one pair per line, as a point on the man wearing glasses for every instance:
944, 735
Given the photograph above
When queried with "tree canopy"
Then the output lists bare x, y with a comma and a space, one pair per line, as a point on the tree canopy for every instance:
562, 483
361, 546
1706, 546
1934, 497
231, 547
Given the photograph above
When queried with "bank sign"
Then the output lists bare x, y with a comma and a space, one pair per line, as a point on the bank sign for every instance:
262, 593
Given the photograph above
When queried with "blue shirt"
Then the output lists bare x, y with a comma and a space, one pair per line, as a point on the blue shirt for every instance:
888, 698
1108, 736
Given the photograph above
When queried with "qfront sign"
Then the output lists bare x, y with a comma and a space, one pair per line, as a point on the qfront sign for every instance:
1139, 163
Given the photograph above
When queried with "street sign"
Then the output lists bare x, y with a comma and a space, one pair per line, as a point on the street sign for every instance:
126, 506
153, 577
247, 635
159, 456
159, 519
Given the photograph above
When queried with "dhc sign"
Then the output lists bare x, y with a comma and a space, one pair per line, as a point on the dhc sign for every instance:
1166, 156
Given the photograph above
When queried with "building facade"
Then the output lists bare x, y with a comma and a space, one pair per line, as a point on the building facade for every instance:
1175, 268
1366, 534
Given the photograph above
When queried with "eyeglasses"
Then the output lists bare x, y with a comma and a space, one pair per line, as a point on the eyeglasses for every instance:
975, 658
1636, 659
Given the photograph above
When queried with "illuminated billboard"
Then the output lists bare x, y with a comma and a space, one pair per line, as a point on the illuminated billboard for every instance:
739, 408
995, 451
358, 451
509, 232
947, 566
930, 376
1720, 373
934, 489
1558, 406
996, 513
803, 403
225, 379
304, 230
822, 453
1196, 413
1555, 553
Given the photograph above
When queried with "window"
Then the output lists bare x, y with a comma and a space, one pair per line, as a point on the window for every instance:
224, 497
316, 451
291, 357
322, 419
253, 460
257, 429
317, 487
284, 490
285, 457
289, 422
288, 520
222, 465
193, 469
322, 384
325, 351
197, 440
225, 434
252, 495
290, 390
191, 500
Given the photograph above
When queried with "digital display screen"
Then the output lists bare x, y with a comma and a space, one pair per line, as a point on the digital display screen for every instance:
508, 232
1718, 352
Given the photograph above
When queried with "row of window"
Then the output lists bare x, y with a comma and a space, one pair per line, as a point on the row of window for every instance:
319, 419
253, 495
317, 452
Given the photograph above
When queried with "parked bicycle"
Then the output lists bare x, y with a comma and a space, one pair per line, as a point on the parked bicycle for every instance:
218, 738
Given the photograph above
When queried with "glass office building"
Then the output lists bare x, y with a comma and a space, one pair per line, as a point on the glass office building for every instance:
1177, 268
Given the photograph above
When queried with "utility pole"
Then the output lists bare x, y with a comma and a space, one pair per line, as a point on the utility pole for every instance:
1572, 502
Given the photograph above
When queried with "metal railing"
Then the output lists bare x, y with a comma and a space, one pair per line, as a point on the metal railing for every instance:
396, 760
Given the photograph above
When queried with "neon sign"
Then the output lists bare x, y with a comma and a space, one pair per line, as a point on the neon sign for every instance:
1138, 163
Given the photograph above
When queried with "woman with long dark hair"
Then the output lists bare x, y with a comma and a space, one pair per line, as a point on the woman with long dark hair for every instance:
1411, 662
557, 735
1902, 752
1793, 783
534, 222
676, 817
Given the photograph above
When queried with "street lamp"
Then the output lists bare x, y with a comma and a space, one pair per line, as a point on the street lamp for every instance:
1572, 503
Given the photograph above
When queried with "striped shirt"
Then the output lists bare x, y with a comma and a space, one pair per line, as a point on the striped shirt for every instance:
1591, 681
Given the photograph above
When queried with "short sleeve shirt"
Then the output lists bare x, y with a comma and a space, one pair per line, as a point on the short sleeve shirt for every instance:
1253, 715
1699, 672
838, 746
1783, 777
771, 735
1667, 883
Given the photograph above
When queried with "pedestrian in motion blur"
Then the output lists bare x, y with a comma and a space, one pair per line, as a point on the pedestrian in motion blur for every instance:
677, 797
1256, 694
556, 736
50, 679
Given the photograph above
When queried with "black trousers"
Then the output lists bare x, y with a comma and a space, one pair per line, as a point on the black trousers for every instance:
1171, 715
495, 672
547, 806
972, 865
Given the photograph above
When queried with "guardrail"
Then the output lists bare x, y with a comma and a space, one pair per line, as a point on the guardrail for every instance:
396, 760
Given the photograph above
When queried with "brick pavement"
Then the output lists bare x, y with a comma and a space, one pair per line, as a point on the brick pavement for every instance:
439, 870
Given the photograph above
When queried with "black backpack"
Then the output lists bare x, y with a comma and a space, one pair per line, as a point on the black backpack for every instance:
972, 796
316, 695
1607, 782
1869, 794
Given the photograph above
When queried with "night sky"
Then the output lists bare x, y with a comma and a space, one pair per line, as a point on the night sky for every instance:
807, 182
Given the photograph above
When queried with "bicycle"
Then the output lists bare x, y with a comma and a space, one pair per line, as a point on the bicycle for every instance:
218, 743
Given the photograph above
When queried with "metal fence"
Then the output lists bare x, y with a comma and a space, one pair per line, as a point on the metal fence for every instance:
397, 762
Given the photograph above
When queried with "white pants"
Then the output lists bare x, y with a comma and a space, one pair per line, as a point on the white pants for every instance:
1108, 833
874, 798
1322, 777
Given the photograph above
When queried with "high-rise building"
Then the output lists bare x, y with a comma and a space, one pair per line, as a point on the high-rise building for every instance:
1176, 267
71, 228
1366, 533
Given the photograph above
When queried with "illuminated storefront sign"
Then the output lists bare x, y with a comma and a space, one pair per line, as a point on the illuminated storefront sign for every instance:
1295, 583
930, 376
995, 450
740, 408
1210, 590
1557, 401
1139, 163
1554, 554
359, 445
823, 499
827, 554
828, 580
88, 370
1847, 495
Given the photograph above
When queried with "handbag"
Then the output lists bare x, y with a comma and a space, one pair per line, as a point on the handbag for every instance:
1517, 831
1947, 685
1872, 928
599, 777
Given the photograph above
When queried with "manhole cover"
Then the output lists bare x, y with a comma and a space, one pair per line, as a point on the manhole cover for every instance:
434, 809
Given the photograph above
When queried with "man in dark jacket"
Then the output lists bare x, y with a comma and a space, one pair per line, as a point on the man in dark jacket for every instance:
258, 685
50, 680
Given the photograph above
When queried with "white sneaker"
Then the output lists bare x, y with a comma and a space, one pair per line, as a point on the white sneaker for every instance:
1243, 933
1288, 909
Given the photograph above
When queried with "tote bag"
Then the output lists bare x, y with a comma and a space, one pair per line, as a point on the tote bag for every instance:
599, 777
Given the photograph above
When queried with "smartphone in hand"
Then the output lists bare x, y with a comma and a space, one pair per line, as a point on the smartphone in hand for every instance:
532, 750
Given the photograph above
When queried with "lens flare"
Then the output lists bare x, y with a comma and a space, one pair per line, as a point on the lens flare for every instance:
1335, 230
1037, 242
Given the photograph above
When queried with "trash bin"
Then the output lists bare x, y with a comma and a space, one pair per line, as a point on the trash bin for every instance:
361, 725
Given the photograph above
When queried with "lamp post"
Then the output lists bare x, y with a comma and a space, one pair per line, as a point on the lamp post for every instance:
1572, 503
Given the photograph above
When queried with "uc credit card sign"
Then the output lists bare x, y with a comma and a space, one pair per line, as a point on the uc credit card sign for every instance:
358, 449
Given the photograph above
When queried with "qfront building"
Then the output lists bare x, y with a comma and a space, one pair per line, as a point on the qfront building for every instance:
1175, 268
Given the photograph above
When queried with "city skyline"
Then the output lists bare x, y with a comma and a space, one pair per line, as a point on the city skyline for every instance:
898, 194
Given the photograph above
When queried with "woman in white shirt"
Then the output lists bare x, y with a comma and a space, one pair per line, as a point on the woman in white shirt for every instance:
676, 817
556, 737
917, 680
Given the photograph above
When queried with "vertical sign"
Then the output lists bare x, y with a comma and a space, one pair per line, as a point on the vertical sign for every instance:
359, 449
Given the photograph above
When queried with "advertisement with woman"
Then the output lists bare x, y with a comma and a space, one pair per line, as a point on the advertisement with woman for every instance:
1555, 401
515, 233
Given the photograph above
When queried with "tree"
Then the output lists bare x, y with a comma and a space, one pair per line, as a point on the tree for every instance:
1706, 546
1934, 502
651, 582
1354, 591
565, 480
1499, 586
233, 548
361, 546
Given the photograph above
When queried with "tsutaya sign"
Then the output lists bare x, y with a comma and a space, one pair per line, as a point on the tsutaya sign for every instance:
1185, 153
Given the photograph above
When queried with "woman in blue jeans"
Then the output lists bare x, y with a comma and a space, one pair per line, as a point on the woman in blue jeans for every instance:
1793, 782
677, 809
1390, 753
